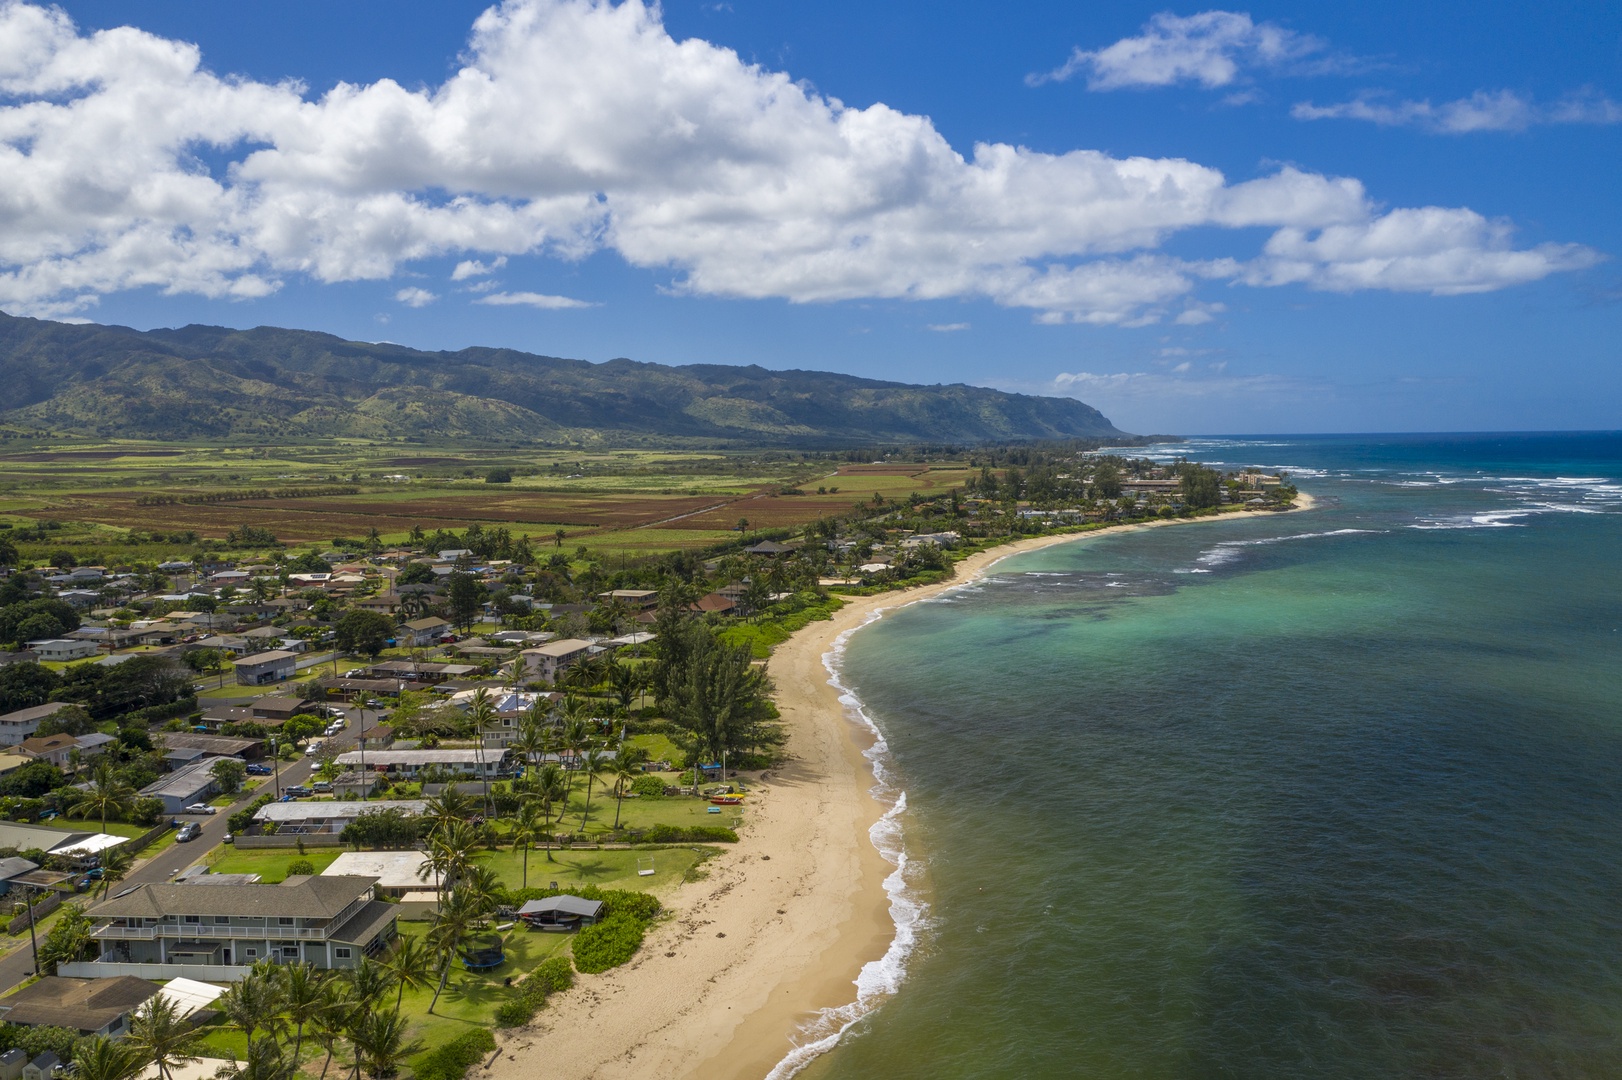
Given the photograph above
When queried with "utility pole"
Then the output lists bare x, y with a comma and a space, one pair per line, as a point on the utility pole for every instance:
32, 938
275, 768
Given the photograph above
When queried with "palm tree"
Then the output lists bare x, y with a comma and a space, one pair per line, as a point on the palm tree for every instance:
482, 713
593, 764
69, 940
367, 982
254, 1002
115, 863
411, 964
530, 825
532, 743
379, 1042
107, 796
304, 998
456, 920
625, 767
101, 1058
159, 1035
333, 1021
446, 809
265, 1062
551, 788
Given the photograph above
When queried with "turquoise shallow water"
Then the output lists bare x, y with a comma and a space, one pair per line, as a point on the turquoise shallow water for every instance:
1329, 794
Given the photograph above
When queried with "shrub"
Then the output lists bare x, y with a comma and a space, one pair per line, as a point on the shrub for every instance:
452, 1060
648, 786
690, 834
300, 866
515, 1013
608, 944
147, 812
239, 821
554, 973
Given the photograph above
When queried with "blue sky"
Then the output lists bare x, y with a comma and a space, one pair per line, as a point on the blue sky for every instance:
1249, 219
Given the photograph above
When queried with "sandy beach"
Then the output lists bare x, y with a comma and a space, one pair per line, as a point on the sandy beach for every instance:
784, 921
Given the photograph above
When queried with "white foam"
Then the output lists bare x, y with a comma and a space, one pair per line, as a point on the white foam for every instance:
1229, 550
879, 979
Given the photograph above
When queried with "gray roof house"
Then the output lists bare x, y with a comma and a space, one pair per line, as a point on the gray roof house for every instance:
20, 725
259, 669
186, 785
88, 1006
331, 922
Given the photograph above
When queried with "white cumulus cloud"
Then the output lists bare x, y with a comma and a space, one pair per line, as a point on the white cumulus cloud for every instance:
1210, 48
415, 297
732, 179
1484, 110
534, 300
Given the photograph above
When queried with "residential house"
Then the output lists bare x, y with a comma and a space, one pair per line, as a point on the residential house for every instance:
20, 725
635, 599
193, 783
330, 922
14, 867
412, 671
280, 707
53, 748
421, 632
397, 872
62, 650
771, 549
278, 665
88, 1006
327, 818
218, 745
547, 662
408, 763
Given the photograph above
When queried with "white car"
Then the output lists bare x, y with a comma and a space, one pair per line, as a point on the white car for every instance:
200, 808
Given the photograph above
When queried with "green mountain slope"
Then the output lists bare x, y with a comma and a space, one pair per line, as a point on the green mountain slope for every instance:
213, 382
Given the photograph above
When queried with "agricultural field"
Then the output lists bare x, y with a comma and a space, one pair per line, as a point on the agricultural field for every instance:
611, 502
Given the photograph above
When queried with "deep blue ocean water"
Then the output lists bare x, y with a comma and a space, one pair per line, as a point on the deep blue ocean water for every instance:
1334, 794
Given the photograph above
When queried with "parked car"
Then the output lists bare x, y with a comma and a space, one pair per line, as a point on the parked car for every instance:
298, 791
200, 808
321, 787
189, 831
259, 770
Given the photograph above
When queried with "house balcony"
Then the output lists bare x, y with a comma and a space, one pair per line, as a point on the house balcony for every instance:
208, 932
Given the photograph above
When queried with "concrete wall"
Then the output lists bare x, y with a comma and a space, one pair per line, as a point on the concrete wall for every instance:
86, 969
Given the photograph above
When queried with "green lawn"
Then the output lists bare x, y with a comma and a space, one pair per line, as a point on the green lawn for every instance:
270, 865
659, 748
605, 869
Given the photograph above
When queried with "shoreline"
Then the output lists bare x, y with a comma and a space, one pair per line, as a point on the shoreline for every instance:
775, 936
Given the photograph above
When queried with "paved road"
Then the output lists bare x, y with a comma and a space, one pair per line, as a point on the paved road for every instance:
19, 964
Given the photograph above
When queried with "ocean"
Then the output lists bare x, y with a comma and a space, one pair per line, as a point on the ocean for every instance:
1328, 794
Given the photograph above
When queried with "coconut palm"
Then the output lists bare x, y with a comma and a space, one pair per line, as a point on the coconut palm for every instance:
107, 796
254, 1002
529, 826
115, 863
304, 998
592, 764
69, 940
411, 964
457, 918
447, 809
551, 789
379, 1042
265, 1062
532, 742
482, 713
159, 1035
367, 983
333, 1021
625, 767
101, 1058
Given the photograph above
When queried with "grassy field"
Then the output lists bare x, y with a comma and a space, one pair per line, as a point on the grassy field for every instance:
271, 865
89, 495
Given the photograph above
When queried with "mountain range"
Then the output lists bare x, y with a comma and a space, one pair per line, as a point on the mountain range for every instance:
211, 382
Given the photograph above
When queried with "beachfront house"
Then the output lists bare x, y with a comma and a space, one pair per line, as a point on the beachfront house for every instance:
478, 763
162, 930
